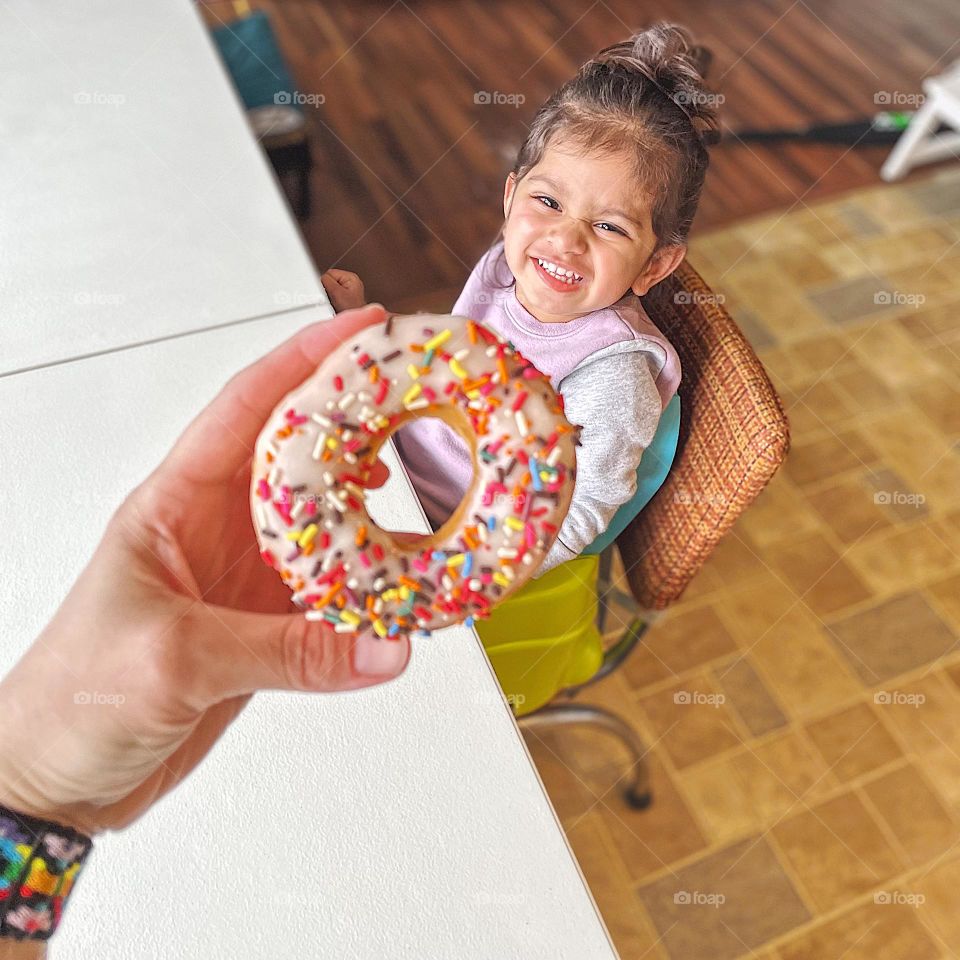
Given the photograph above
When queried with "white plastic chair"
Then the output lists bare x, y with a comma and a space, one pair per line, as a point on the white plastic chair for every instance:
920, 143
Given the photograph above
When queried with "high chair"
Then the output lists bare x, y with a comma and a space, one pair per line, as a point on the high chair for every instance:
699, 474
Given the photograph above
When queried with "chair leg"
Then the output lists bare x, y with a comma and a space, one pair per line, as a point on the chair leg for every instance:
637, 791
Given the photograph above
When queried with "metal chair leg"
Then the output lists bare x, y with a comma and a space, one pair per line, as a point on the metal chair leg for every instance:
637, 791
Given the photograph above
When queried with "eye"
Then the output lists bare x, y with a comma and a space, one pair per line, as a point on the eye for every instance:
550, 199
613, 228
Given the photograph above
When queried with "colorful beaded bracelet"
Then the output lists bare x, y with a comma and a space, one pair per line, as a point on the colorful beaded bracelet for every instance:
39, 863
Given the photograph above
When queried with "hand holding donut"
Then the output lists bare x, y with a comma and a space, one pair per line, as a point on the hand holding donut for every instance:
174, 622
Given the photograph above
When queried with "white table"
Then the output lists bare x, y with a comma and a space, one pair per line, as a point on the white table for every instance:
427, 830
135, 202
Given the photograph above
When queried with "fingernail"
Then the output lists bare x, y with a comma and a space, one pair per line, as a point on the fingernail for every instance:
375, 657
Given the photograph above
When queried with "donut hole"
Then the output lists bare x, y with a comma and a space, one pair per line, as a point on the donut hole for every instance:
436, 450
439, 462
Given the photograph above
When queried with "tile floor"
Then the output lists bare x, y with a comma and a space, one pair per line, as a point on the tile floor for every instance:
807, 806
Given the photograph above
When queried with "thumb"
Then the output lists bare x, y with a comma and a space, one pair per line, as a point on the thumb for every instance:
241, 652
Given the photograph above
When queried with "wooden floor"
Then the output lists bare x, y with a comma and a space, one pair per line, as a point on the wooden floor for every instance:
410, 170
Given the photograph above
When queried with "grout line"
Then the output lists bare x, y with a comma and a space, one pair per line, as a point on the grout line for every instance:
161, 339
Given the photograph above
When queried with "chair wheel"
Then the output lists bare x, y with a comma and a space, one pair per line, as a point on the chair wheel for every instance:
638, 801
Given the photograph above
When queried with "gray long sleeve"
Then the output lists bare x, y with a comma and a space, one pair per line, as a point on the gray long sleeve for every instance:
613, 396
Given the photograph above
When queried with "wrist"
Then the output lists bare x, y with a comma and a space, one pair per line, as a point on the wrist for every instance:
22, 949
19, 794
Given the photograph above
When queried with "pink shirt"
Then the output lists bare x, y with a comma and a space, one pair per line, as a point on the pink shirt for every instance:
438, 462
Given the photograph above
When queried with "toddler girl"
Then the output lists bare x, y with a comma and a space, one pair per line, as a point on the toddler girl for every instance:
597, 210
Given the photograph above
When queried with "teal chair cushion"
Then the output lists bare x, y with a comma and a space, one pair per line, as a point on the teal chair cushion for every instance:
252, 56
653, 469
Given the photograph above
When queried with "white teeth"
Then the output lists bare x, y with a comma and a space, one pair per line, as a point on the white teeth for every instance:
561, 273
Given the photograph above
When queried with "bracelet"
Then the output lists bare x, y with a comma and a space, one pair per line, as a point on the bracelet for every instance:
39, 864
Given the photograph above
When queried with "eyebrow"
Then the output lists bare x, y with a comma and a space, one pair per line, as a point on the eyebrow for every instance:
614, 210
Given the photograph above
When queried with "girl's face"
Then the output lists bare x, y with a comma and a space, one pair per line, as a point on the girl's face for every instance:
582, 214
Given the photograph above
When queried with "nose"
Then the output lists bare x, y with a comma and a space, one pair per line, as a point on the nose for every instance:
567, 237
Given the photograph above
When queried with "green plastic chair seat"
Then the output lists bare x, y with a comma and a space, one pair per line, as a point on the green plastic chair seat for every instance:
544, 638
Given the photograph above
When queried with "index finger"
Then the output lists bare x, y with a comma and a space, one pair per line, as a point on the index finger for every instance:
220, 440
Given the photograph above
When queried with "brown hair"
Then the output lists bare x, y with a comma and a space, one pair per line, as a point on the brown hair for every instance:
646, 97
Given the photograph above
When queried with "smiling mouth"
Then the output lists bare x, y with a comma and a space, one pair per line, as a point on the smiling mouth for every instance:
556, 276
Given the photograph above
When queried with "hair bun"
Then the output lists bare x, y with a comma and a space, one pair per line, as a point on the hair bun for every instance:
666, 55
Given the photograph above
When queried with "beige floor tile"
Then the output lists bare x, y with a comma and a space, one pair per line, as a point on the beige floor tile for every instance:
892, 560
872, 639
853, 741
721, 800
789, 648
736, 558
749, 696
610, 884
914, 813
939, 400
837, 850
889, 352
692, 720
825, 355
939, 886
934, 325
924, 714
946, 597
779, 513
895, 251
819, 573
823, 458
941, 764
725, 904
849, 508
886, 931
782, 776
864, 387
648, 841
678, 644
816, 408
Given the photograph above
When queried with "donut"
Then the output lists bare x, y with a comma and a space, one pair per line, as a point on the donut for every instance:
313, 458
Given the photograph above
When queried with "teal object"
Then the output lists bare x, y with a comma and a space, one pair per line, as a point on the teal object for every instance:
653, 469
252, 55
